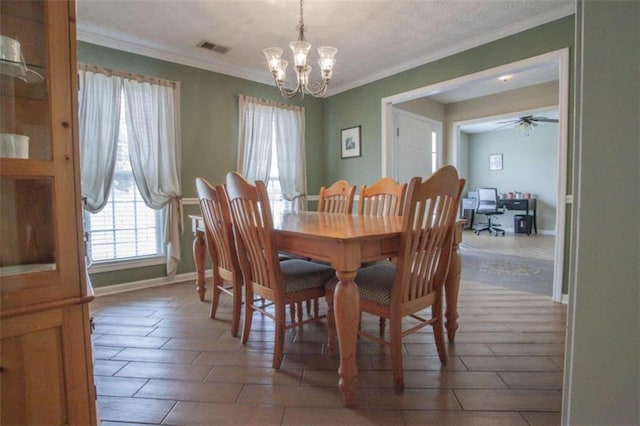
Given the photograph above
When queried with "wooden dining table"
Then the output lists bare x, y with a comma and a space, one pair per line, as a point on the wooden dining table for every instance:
344, 241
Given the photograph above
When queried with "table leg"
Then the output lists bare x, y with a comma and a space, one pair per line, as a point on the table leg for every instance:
346, 305
452, 286
199, 251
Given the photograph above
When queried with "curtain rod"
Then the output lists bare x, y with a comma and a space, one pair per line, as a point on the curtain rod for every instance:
271, 103
127, 75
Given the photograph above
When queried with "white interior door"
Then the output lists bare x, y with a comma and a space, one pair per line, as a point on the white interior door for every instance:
416, 147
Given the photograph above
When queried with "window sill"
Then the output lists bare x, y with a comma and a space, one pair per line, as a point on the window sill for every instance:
133, 263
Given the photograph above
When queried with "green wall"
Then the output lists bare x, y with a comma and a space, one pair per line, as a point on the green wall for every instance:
602, 366
362, 105
209, 127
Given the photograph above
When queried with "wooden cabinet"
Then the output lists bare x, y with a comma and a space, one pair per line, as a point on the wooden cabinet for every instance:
46, 359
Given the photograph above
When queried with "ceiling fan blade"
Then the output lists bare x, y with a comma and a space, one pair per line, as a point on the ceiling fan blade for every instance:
507, 121
545, 119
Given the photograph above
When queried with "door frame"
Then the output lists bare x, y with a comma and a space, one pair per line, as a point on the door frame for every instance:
561, 57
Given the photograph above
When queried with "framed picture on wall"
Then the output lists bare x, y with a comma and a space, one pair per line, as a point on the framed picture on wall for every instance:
495, 162
350, 142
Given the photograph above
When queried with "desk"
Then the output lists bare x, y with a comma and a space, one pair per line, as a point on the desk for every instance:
511, 204
345, 241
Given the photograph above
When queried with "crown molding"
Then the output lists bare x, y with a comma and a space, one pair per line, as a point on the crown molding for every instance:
141, 47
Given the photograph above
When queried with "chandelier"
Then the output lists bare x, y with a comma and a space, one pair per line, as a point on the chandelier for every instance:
300, 49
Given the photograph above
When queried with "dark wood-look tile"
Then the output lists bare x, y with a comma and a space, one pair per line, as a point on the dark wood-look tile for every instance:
156, 355
103, 367
133, 410
542, 419
105, 352
509, 363
509, 400
532, 349
206, 413
182, 390
118, 386
410, 399
460, 418
457, 349
130, 341
123, 330
296, 416
157, 370
454, 380
419, 363
532, 380
257, 376
285, 396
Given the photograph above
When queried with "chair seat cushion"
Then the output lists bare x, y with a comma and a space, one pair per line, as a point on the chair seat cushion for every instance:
374, 282
301, 275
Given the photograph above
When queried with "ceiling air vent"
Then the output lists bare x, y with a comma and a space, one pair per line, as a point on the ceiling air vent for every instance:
214, 47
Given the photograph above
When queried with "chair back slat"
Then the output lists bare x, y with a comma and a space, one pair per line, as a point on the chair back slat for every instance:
218, 228
255, 237
384, 198
428, 220
337, 198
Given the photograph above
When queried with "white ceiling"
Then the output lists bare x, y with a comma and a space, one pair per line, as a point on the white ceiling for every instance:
375, 38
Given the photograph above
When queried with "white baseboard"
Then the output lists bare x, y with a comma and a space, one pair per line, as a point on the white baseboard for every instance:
153, 282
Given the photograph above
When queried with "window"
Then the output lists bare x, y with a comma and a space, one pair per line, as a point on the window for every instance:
276, 200
267, 129
434, 151
126, 228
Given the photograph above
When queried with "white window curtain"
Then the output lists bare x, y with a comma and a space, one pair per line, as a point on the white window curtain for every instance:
152, 112
259, 122
99, 97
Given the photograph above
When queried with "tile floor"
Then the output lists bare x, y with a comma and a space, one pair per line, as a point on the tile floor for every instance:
160, 360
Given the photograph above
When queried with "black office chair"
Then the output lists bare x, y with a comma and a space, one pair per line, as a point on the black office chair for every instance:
488, 206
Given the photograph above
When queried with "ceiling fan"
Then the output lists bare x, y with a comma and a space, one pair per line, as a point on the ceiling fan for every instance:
527, 122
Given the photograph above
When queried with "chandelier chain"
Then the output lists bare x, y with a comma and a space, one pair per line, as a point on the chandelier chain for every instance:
301, 27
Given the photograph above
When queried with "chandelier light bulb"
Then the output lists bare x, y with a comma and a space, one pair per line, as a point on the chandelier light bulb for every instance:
300, 50
273, 55
282, 70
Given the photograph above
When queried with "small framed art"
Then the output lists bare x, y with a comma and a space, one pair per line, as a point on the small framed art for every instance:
350, 142
495, 162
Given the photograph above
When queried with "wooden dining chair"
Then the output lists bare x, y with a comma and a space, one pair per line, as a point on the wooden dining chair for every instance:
384, 198
283, 284
227, 276
337, 198
416, 281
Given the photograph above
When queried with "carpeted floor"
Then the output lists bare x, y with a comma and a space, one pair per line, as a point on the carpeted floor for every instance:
514, 272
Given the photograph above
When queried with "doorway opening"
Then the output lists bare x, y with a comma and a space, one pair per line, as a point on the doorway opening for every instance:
553, 63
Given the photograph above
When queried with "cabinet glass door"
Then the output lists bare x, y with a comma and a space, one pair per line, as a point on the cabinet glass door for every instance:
27, 185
